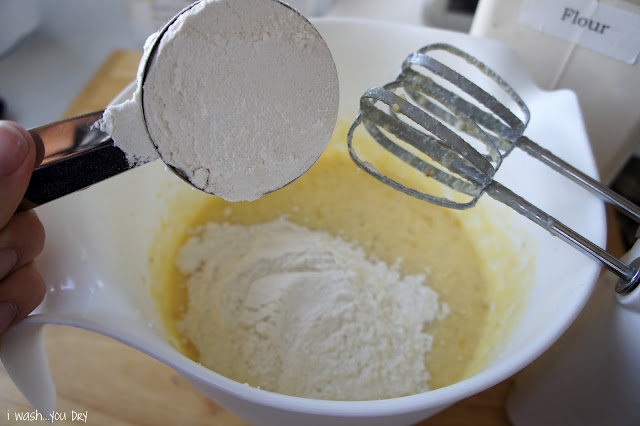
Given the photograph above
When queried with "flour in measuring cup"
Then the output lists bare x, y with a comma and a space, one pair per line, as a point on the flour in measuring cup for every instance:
242, 98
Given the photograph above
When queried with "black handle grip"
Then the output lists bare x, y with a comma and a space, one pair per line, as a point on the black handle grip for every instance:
81, 170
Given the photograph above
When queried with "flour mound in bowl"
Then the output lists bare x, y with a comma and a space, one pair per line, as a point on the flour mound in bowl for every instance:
303, 313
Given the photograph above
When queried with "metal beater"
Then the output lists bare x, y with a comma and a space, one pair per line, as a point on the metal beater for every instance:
450, 128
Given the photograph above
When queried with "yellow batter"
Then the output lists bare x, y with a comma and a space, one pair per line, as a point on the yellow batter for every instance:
473, 263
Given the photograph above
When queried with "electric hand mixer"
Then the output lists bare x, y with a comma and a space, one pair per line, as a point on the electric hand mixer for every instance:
454, 131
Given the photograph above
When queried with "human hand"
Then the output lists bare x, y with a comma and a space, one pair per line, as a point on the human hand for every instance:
21, 233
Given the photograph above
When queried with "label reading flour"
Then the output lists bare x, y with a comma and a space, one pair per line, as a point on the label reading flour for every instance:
588, 23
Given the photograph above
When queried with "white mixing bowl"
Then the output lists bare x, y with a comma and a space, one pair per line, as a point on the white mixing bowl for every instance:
98, 243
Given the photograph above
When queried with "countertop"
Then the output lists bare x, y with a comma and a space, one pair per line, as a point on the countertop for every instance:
114, 384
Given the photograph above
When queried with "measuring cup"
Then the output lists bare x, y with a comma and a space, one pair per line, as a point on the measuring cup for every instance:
198, 146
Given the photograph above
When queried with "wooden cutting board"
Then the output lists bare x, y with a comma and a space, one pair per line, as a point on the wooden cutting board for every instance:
116, 385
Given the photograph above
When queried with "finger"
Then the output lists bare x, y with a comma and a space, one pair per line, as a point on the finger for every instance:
17, 158
22, 291
21, 240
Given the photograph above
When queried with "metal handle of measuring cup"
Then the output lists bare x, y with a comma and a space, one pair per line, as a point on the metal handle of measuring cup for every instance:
76, 156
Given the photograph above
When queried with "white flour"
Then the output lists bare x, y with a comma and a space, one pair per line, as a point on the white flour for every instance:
303, 313
242, 98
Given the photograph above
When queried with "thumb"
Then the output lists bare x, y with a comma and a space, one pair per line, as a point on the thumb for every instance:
17, 159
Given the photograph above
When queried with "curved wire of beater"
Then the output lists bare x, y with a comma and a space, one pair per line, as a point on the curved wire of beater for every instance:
422, 68
465, 170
